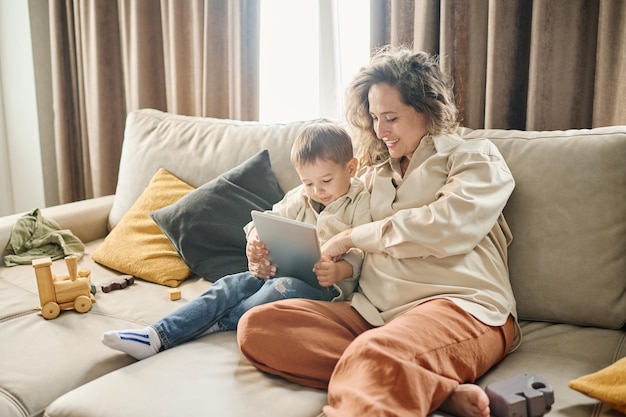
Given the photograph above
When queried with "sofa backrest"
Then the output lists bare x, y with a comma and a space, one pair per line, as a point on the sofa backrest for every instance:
567, 261
196, 150
567, 213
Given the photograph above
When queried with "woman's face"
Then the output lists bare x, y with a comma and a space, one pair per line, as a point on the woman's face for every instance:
400, 126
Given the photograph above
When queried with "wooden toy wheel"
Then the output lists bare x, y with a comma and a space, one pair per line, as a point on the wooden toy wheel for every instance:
82, 304
50, 310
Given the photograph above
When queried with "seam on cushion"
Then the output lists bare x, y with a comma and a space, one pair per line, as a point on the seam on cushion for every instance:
18, 315
18, 405
619, 347
172, 117
8, 283
598, 409
572, 323
91, 312
565, 135
113, 316
176, 118
544, 353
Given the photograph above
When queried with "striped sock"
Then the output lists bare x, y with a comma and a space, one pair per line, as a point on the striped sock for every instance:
138, 343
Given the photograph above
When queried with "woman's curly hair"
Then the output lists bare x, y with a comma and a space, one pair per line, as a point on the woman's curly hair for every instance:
422, 85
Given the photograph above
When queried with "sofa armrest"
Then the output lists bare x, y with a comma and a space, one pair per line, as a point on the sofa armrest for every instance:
87, 219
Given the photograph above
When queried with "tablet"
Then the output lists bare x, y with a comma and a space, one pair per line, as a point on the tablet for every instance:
293, 246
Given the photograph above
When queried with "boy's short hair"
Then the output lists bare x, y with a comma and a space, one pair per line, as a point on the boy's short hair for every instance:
325, 141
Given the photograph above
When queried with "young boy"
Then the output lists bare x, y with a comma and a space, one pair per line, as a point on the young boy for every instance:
330, 197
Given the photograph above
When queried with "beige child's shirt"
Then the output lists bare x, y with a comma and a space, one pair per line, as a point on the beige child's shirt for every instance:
352, 209
437, 232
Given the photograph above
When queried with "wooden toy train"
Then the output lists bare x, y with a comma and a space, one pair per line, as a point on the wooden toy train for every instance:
63, 292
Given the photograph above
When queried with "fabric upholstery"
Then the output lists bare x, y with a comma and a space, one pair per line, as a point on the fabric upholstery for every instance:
568, 218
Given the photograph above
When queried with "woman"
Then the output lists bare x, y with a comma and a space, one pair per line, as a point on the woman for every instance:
434, 309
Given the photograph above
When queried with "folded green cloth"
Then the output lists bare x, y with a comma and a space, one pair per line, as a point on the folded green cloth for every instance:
34, 236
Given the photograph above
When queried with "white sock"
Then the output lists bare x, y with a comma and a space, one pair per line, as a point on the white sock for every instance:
138, 343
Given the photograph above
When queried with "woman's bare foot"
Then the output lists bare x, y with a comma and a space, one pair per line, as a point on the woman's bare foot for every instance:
467, 400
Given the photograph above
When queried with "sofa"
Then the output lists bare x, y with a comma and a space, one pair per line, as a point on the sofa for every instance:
567, 267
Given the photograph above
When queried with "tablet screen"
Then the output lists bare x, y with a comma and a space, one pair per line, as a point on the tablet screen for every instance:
293, 246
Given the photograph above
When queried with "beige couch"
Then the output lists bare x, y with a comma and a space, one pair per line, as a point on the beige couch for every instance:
567, 265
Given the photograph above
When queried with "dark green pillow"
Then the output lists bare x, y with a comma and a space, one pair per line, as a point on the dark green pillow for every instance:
206, 225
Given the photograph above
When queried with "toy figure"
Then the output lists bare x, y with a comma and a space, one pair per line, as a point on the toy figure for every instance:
119, 283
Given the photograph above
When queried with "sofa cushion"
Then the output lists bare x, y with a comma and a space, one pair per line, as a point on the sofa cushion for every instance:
204, 377
206, 225
568, 218
209, 376
137, 246
42, 359
196, 150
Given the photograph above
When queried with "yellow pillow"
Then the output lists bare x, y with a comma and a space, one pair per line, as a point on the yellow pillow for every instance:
137, 246
607, 385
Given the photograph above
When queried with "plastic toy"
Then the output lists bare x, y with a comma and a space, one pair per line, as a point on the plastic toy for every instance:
119, 283
58, 293
524, 395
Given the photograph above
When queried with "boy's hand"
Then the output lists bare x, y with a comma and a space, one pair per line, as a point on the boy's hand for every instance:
256, 252
329, 272
326, 271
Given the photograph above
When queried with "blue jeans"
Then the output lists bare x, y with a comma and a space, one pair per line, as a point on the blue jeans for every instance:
222, 305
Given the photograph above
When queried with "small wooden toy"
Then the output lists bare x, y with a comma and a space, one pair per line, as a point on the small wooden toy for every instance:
58, 293
175, 294
85, 272
524, 395
119, 283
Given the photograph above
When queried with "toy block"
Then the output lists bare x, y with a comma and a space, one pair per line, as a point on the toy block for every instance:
175, 294
72, 266
68, 290
86, 273
43, 273
524, 395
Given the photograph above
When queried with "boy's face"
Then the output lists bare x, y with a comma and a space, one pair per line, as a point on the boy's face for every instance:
325, 181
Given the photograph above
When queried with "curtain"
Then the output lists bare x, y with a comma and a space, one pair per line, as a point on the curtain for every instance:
192, 57
520, 64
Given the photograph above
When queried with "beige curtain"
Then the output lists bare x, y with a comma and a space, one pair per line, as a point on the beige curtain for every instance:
520, 64
192, 57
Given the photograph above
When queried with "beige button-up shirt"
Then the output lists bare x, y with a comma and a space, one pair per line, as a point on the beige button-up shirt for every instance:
438, 232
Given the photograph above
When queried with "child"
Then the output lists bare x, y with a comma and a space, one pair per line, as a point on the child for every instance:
329, 197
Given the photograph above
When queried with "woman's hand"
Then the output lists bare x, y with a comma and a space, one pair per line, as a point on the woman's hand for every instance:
256, 252
338, 245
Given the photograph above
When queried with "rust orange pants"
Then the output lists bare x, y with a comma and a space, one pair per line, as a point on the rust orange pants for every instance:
407, 367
